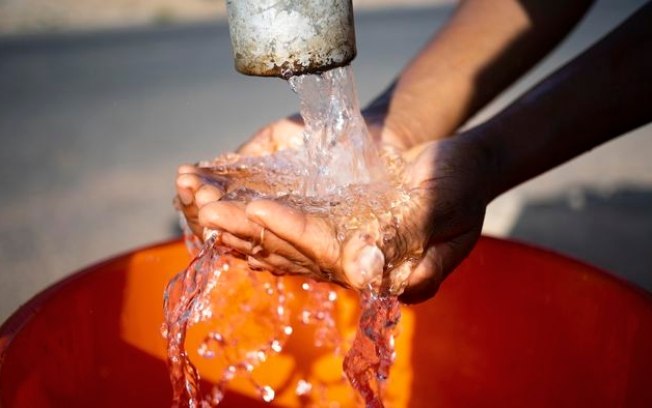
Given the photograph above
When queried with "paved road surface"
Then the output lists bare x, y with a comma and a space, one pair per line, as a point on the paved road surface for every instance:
92, 127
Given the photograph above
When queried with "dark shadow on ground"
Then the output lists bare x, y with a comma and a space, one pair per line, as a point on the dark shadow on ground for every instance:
612, 230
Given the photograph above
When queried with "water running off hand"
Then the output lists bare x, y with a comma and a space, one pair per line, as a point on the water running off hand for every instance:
337, 173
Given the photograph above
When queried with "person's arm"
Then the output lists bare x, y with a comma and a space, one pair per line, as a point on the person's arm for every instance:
603, 93
485, 47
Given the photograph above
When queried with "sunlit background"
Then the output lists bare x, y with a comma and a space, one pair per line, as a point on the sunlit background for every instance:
100, 100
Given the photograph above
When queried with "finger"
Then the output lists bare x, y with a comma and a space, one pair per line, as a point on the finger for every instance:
235, 243
274, 137
226, 216
260, 143
258, 265
190, 180
254, 249
438, 262
187, 185
362, 261
280, 265
258, 258
207, 194
193, 177
186, 169
229, 216
311, 235
283, 256
423, 282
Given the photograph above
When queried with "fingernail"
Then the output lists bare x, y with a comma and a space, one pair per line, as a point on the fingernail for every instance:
185, 196
254, 264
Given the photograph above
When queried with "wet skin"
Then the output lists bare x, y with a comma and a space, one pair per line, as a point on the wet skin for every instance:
442, 222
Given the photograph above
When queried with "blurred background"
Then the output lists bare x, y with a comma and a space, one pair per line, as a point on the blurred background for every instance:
100, 100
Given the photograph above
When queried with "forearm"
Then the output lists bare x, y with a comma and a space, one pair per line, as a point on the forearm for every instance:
485, 47
598, 96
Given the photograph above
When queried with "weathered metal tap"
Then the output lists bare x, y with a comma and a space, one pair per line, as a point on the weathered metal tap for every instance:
291, 37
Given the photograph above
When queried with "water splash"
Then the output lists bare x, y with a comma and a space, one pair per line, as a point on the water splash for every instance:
219, 289
370, 358
338, 148
339, 174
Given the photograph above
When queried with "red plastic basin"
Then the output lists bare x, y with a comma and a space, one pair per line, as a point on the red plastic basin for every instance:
514, 326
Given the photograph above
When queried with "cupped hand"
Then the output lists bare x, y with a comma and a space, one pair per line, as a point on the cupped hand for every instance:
449, 183
195, 186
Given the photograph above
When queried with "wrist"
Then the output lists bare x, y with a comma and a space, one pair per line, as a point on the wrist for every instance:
396, 121
412, 116
486, 141
388, 127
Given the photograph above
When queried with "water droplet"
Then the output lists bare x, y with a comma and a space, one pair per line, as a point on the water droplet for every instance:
303, 387
305, 316
204, 351
229, 373
216, 395
267, 393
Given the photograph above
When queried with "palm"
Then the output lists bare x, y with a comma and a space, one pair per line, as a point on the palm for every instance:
276, 136
194, 187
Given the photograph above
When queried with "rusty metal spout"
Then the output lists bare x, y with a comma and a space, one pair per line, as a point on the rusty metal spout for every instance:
291, 37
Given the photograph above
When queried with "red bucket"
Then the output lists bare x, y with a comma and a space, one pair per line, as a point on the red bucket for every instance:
514, 326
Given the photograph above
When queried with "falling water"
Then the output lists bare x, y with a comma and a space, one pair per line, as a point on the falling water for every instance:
339, 174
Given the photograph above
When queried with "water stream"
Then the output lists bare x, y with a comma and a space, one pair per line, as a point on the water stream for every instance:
338, 174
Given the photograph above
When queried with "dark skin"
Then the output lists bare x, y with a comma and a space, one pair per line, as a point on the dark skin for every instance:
600, 95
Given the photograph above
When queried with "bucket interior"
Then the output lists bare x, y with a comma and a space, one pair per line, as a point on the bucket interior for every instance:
513, 326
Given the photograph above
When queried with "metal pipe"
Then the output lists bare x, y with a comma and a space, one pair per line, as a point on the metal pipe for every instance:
291, 37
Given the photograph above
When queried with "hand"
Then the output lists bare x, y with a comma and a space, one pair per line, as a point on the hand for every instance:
449, 182
195, 187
